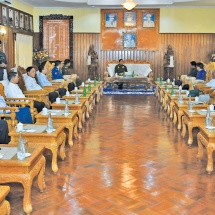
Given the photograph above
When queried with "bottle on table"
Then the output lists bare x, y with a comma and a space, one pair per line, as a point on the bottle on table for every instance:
173, 90
94, 82
84, 91
89, 87
208, 119
21, 148
66, 110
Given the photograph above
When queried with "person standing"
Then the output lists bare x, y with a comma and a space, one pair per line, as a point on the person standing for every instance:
3, 62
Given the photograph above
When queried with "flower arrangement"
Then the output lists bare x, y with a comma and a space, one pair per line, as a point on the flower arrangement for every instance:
40, 55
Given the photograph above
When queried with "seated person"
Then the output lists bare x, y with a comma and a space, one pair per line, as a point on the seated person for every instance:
65, 71
193, 71
201, 75
31, 83
3, 104
119, 70
4, 138
211, 83
43, 80
56, 74
13, 90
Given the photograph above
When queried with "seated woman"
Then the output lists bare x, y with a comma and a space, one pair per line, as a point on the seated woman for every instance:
201, 75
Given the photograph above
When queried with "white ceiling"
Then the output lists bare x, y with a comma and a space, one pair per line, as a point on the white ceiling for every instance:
117, 3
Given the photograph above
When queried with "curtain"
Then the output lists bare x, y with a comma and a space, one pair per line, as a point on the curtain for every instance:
24, 49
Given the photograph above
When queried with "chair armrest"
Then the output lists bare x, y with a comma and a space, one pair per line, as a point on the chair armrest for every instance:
12, 114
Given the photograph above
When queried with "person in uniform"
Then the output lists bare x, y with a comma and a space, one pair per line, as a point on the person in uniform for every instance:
148, 22
119, 70
56, 74
3, 62
13, 91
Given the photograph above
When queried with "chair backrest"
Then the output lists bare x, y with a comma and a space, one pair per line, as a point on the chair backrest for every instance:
49, 66
24, 115
2, 90
21, 83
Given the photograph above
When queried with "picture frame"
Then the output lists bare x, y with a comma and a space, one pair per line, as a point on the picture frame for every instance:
4, 15
21, 20
16, 19
148, 20
11, 17
26, 22
130, 19
111, 20
31, 27
129, 40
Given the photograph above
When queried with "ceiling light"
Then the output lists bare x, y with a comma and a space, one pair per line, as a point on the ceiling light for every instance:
129, 4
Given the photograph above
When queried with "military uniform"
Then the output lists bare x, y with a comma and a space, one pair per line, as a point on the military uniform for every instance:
120, 69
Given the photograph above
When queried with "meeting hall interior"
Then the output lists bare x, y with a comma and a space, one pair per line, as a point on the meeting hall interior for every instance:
107, 107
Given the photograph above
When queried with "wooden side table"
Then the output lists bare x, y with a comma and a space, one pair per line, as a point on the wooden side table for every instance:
13, 170
50, 141
4, 204
206, 138
70, 122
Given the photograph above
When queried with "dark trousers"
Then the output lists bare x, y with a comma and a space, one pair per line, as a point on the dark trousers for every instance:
120, 85
4, 138
39, 106
1, 74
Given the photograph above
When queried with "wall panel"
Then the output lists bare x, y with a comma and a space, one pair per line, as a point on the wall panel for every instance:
187, 47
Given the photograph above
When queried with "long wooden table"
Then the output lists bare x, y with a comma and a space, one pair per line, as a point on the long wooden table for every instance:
39, 137
206, 137
59, 119
82, 109
16, 171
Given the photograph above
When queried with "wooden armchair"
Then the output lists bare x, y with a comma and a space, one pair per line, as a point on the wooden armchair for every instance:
19, 102
11, 117
39, 95
4, 204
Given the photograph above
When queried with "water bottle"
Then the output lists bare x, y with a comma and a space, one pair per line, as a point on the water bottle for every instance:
21, 148
133, 74
180, 98
208, 119
190, 105
66, 110
77, 98
167, 87
99, 79
89, 87
50, 122
94, 83
84, 91
173, 90
67, 93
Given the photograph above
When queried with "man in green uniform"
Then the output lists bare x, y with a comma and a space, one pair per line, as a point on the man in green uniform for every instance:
119, 70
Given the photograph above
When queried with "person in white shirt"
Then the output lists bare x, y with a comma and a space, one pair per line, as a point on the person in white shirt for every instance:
211, 83
31, 84
13, 90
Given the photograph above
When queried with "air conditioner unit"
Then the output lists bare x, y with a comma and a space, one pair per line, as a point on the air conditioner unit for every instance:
6, 1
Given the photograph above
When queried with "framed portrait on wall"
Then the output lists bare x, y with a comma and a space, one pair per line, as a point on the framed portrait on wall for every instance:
10, 17
148, 20
26, 23
4, 15
129, 19
16, 19
111, 20
21, 20
31, 27
130, 40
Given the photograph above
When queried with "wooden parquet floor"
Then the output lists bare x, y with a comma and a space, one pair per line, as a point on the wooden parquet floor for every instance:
129, 159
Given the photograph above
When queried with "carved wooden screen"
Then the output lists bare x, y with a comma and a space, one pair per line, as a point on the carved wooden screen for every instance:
56, 36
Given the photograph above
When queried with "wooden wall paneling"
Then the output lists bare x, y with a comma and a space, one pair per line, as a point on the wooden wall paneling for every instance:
187, 47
